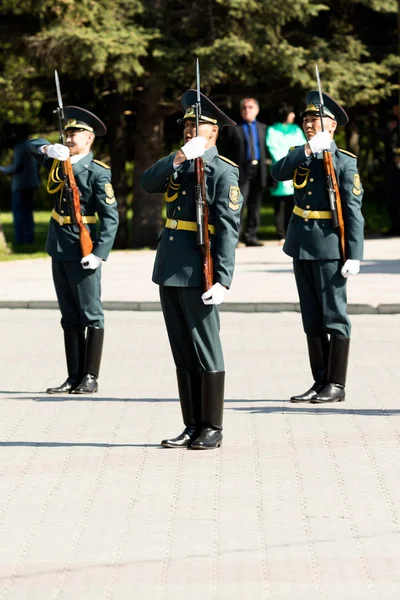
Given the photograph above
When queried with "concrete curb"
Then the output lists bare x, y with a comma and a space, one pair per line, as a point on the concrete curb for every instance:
248, 307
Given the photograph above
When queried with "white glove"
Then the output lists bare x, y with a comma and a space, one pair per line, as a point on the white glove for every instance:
215, 295
58, 151
194, 147
350, 267
91, 261
321, 141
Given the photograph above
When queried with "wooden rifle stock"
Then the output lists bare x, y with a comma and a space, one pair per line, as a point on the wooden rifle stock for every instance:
85, 240
335, 201
203, 234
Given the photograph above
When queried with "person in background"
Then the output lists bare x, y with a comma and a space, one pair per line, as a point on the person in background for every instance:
281, 136
25, 181
245, 145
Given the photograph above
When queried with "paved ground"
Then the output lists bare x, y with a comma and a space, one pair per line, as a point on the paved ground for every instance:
263, 281
299, 503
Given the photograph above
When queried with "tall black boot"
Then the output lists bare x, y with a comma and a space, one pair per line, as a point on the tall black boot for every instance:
212, 406
94, 348
318, 351
189, 388
74, 342
334, 390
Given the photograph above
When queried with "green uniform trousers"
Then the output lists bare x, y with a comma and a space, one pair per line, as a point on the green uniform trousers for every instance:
193, 329
78, 293
323, 297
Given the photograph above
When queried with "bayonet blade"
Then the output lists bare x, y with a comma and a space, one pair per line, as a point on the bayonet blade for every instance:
59, 97
321, 99
198, 80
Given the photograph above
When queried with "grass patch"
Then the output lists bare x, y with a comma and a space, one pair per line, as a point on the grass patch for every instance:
23, 251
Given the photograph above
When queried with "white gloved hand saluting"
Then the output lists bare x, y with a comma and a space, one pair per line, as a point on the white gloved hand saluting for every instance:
350, 267
321, 141
91, 261
215, 295
194, 147
58, 151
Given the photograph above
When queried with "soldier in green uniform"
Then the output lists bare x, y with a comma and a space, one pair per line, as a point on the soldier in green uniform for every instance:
77, 280
313, 243
191, 316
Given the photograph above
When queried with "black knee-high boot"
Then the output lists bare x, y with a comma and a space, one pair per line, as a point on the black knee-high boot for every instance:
212, 406
94, 348
189, 388
74, 342
334, 390
318, 352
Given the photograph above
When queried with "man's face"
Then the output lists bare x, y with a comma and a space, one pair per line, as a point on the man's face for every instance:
249, 110
312, 125
78, 142
206, 130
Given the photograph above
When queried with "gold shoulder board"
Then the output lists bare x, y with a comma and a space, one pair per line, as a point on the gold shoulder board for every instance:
228, 161
98, 162
347, 152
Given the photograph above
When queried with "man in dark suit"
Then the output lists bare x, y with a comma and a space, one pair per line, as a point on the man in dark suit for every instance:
245, 145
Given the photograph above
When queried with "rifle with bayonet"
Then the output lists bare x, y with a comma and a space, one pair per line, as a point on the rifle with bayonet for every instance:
203, 234
332, 184
70, 189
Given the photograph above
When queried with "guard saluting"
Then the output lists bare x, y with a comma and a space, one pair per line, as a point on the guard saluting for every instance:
77, 279
314, 244
191, 317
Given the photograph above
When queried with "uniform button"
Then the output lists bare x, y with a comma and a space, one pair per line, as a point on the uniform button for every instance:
171, 237
311, 179
309, 193
178, 207
62, 212
308, 207
64, 200
183, 192
306, 220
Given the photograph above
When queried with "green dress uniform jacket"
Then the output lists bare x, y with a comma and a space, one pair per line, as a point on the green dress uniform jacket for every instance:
193, 328
316, 239
179, 259
94, 183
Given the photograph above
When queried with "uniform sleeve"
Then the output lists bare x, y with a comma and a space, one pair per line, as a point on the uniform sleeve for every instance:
283, 170
34, 148
16, 165
351, 193
227, 221
154, 178
107, 209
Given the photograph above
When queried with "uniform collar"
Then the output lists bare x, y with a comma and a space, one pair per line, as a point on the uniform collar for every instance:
83, 164
210, 153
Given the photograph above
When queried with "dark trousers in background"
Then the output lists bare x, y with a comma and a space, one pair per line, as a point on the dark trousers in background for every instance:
252, 192
193, 329
22, 210
79, 295
283, 206
323, 297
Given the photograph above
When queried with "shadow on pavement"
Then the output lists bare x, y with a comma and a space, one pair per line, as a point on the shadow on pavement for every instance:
335, 408
86, 398
75, 444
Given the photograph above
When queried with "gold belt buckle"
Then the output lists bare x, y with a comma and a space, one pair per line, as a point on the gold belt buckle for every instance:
305, 214
61, 220
174, 223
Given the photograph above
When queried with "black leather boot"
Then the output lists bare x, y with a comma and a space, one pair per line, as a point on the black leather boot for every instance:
212, 406
189, 388
94, 348
74, 342
334, 390
318, 351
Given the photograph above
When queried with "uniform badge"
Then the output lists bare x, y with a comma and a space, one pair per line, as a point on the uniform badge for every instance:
234, 197
110, 196
357, 184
